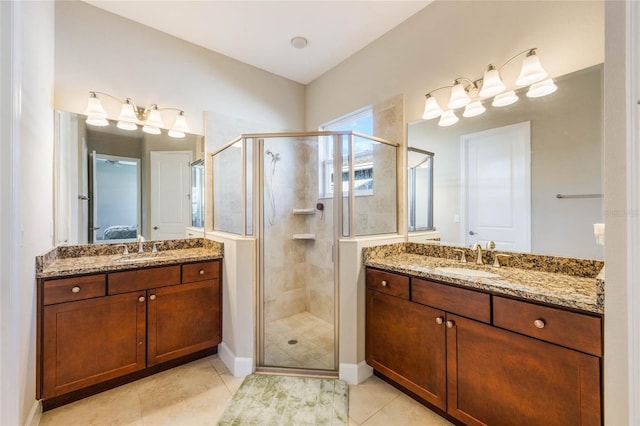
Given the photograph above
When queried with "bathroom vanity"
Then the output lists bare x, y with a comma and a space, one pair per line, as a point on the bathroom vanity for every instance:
487, 345
104, 319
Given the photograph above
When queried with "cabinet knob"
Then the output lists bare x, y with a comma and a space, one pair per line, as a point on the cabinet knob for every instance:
152, 297
539, 323
450, 324
76, 289
201, 272
384, 283
439, 320
141, 299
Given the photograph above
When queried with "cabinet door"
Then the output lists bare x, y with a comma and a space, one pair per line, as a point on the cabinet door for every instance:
183, 319
90, 341
406, 344
497, 377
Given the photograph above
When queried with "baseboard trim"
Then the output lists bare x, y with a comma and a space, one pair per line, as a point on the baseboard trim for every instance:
238, 366
355, 373
35, 414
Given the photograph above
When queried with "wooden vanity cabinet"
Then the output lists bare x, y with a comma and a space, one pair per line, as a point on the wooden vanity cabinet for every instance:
98, 327
186, 318
403, 339
501, 365
90, 341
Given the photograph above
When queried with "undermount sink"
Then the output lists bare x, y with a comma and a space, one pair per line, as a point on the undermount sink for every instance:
467, 272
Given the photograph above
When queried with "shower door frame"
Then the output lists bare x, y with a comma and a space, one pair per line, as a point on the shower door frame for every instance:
259, 154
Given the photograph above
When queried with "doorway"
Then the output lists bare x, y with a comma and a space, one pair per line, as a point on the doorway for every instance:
496, 187
115, 202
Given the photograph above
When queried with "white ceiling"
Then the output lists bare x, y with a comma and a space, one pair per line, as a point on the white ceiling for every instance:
259, 32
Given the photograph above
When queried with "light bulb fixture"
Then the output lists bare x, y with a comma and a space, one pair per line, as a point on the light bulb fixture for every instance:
542, 88
96, 116
131, 116
431, 108
448, 118
504, 99
459, 97
473, 109
470, 93
491, 83
531, 71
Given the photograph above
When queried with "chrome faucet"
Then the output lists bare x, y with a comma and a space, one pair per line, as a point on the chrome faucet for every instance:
477, 248
140, 244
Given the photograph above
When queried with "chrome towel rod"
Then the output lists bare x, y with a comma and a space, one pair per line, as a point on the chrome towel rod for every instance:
579, 196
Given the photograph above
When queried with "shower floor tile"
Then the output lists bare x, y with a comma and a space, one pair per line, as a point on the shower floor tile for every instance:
299, 341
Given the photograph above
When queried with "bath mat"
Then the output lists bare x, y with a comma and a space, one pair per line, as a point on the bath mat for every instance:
287, 401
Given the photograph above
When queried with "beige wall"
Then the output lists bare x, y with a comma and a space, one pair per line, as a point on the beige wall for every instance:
96, 50
425, 52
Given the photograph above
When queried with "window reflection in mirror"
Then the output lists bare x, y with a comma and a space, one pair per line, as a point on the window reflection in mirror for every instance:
163, 200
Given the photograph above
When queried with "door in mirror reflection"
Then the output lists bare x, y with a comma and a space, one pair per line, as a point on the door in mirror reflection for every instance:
170, 194
496, 200
115, 207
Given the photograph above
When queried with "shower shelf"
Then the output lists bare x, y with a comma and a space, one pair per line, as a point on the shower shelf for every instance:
304, 211
304, 236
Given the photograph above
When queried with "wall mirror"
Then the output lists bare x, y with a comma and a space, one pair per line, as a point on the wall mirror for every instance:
112, 185
549, 193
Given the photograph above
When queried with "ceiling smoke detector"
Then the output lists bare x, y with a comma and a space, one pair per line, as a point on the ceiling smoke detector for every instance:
299, 42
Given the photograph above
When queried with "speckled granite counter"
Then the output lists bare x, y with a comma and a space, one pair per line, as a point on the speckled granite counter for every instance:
91, 258
541, 284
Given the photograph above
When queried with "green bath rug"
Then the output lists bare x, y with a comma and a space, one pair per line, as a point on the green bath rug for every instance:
287, 401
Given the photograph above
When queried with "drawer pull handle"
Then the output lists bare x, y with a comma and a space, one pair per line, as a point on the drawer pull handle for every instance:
76, 289
201, 272
152, 297
384, 283
141, 299
450, 324
439, 320
539, 323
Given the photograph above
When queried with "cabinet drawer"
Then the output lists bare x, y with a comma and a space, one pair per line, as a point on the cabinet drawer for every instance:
200, 271
570, 329
71, 289
142, 279
386, 282
468, 303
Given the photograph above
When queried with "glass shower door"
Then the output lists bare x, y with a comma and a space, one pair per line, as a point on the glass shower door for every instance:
297, 292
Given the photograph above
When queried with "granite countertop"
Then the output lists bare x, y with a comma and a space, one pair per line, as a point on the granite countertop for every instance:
561, 289
94, 258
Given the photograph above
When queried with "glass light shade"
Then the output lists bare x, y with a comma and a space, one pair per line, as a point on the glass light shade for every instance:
150, 130
96, 116
531, 70
127, 125
127, 114
180, 125
504, 99
491, 83
542, 88
459, 97
473, 109
154, 119
448, 118
97, 121
431, 108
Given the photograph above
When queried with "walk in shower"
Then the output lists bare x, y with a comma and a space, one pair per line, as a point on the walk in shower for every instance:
298, 194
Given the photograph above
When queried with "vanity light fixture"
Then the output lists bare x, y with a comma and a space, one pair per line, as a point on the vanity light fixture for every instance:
470, 93
131, 116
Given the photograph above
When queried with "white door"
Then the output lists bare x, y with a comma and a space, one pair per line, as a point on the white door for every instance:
496, 181
170, 194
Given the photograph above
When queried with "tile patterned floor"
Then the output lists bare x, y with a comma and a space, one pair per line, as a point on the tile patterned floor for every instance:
197, 394
313, 347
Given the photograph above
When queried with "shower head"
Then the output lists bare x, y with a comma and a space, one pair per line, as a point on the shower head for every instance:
274, 155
